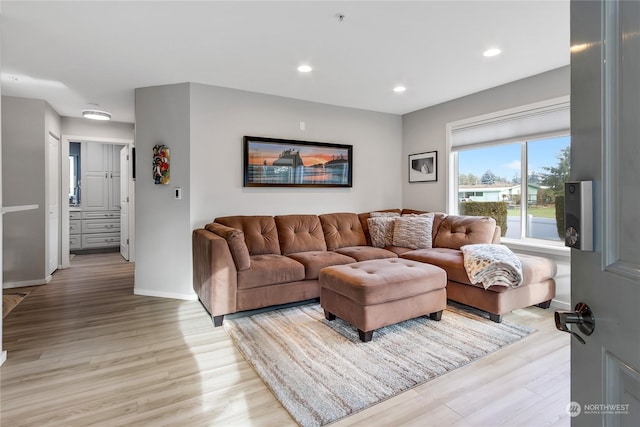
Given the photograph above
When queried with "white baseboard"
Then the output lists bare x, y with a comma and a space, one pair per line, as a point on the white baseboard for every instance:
172, 295
561, 305
11, 285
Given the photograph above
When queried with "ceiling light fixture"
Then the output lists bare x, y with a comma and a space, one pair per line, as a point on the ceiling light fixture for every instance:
305, 68
492, 52
399, 89
96, 115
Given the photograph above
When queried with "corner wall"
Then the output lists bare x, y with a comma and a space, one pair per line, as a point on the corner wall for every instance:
25, 127
425, 130
203, 127
163, 226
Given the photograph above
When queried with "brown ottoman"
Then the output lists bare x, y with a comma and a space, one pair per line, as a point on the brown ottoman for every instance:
376, 293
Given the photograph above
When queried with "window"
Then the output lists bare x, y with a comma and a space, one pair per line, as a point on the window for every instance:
518, 158
494, 174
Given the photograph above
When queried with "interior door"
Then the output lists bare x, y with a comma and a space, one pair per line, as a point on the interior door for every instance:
124, 202
53, 206
605, 148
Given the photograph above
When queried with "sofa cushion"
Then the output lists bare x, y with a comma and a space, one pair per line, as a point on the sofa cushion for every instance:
260, 232
534, 269
270, 269
363, 217
342, 230
413, 231
364, 253
449, 259
314, 261
236, 243
300, 233
458, 230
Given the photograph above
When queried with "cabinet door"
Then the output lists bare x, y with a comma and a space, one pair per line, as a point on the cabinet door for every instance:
114, 177
94, 186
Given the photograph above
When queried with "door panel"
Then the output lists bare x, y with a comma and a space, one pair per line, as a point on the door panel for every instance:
53, 208
605, 106
124, 201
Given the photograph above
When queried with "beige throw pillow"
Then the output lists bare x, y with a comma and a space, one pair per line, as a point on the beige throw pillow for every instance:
381, 230
413, 232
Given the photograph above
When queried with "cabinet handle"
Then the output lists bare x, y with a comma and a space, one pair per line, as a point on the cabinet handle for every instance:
106, 174
111, 174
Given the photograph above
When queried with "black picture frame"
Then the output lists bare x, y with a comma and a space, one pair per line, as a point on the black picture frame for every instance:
423, 167
272, 162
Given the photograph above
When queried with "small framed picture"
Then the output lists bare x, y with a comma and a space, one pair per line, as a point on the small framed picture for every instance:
423, 167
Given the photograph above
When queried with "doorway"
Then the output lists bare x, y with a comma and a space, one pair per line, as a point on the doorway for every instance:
71, 200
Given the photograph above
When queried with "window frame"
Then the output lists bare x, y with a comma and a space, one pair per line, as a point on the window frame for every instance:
452, 187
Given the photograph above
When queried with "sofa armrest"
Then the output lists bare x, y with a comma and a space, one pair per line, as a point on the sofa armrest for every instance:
215, 277
496, 235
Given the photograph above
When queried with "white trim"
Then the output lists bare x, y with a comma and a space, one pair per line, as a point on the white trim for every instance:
172, 295
536, 246
3, 357
64, 196
23, 283
560, 305
20, 208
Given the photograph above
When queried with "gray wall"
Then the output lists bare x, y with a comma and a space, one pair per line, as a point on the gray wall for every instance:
220, 117
25, 127
425, 130
84, 127
163, 227
203, 126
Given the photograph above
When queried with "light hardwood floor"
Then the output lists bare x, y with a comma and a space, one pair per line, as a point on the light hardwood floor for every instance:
84, 350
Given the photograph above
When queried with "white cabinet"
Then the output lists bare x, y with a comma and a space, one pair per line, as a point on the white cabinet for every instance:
94, 230
100, 171
75, 230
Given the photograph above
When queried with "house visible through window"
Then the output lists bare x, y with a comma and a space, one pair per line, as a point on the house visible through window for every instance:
494, 174
518, 160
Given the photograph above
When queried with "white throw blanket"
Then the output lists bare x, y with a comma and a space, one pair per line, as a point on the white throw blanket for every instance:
492, 265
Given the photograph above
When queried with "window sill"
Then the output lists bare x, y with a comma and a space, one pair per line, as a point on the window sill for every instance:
537, 246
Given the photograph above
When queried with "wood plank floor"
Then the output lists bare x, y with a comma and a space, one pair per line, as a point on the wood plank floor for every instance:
84, 350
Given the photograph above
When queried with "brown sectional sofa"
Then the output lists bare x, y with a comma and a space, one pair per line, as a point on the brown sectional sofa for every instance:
248, 262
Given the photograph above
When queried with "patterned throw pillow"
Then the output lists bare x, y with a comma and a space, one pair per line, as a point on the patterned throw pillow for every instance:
381, 230
413, 232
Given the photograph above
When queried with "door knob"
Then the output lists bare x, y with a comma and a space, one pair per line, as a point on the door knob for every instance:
582, 317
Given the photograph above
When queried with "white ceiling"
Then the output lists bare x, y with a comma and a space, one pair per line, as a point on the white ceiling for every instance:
76, 53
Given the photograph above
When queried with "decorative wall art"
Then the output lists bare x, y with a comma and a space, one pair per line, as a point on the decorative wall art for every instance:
423, 167
270, 162
161, 158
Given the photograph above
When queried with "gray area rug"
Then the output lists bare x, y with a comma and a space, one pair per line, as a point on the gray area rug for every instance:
321, 371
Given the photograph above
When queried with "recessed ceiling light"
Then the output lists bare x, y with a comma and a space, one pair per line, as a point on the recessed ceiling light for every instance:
305, 68
492, 52
96, 115
399, 89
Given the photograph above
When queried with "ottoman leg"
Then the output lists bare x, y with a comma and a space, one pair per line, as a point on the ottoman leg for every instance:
495, 317
365, 336
545, 304
436, 316
329, 316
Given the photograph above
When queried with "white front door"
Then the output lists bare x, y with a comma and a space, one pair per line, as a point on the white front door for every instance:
605, 148
124, 202
53, 206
